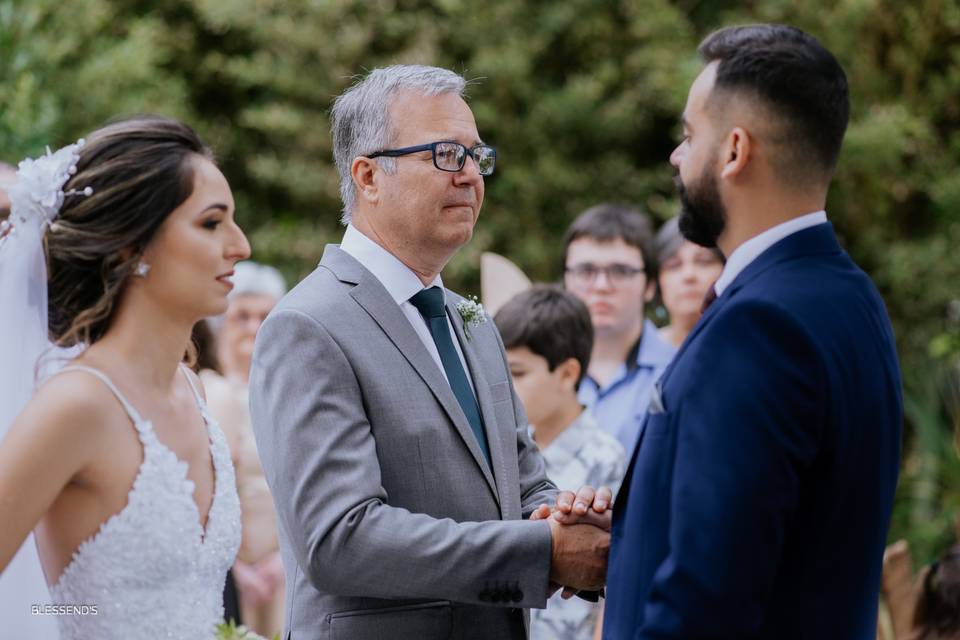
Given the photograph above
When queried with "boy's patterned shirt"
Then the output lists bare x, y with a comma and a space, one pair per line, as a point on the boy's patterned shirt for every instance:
581, 454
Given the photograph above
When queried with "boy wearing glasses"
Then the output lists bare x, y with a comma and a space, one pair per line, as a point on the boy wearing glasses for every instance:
609, 263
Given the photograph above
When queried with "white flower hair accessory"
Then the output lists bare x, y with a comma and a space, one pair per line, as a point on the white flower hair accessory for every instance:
37, 194
472, 313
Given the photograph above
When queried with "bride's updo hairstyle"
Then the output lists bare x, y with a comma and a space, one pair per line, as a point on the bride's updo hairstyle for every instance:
140, 170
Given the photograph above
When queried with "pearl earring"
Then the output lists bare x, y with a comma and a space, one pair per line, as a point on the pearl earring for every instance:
142, 269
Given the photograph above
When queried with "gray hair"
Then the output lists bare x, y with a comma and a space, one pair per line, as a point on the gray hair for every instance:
360, 117
253, 279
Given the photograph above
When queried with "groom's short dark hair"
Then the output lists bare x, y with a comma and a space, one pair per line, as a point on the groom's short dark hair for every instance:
551, 322
796, 79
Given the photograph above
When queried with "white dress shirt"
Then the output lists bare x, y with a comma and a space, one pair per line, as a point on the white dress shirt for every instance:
750, 250
402, 284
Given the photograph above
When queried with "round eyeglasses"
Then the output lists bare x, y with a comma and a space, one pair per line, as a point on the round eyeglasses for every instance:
449, 156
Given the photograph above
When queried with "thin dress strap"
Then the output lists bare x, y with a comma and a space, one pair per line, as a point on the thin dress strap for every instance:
193, 387
103, 378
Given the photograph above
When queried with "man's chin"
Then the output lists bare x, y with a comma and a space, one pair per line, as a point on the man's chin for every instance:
696, 231
604, 325
457, 234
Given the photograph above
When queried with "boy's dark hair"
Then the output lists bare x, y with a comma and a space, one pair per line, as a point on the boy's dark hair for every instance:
551, 322
938, 610
801, 83
609, 222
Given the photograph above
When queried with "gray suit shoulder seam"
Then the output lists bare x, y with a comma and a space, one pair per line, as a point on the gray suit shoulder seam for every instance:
318, 323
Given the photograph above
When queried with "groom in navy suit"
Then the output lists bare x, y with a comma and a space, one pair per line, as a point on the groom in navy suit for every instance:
758, 499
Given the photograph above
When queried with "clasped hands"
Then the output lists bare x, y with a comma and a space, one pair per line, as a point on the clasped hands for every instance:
580, 539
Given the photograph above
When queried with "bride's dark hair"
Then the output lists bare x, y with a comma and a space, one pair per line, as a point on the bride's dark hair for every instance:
140, 170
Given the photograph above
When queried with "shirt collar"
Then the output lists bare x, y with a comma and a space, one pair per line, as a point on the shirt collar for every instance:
649, 352
750, 250
653, 351
397, 278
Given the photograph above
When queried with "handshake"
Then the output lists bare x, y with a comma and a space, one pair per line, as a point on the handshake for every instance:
580, 539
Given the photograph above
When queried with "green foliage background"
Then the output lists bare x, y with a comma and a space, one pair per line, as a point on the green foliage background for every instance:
581, 97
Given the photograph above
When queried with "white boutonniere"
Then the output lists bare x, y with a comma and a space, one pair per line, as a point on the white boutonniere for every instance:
472, 313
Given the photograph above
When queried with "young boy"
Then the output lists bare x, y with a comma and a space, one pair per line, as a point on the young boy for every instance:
548, 337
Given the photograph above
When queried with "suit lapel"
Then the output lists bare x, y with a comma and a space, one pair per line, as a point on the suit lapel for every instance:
482, 391
376, 301
819, 239
697, 328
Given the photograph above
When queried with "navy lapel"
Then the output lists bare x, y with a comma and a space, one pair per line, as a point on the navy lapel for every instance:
816, 240
370, 294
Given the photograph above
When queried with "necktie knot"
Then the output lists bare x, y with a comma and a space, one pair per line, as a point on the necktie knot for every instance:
429, 302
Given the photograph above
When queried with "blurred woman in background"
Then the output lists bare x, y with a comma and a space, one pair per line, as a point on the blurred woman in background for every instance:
687, 271
258, 571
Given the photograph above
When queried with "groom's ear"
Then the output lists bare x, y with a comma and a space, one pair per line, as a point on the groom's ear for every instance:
364, 173
737, 150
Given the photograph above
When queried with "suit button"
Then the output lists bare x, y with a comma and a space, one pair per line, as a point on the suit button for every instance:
516, 595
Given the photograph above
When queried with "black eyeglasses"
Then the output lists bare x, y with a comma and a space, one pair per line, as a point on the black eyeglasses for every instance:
617, 273
449, 156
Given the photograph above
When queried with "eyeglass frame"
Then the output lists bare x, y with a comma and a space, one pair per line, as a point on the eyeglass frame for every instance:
628, 272
432, 148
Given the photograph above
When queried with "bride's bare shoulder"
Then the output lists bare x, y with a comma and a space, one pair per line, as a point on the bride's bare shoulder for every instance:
74, 401
65, 424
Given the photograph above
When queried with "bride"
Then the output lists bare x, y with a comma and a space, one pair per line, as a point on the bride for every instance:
114, 463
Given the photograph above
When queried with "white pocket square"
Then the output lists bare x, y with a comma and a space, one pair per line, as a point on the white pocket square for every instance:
656, 400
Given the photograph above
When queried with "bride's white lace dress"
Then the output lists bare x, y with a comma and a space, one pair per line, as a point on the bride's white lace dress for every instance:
151, 570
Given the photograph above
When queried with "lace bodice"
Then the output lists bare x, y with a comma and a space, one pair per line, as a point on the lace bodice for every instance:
151, 570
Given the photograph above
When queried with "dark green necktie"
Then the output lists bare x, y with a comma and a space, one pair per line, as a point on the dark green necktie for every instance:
430, 304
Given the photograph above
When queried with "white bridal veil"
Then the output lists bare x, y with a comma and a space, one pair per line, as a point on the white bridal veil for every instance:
36, 197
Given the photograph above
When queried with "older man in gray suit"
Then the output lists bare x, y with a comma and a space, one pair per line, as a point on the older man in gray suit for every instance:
391, 438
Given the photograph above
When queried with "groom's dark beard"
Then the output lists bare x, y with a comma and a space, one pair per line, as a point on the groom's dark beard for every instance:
702, 214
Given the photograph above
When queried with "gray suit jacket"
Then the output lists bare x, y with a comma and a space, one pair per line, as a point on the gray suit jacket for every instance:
392, 524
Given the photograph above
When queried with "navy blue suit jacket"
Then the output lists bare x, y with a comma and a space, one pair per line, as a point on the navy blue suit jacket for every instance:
758, 498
